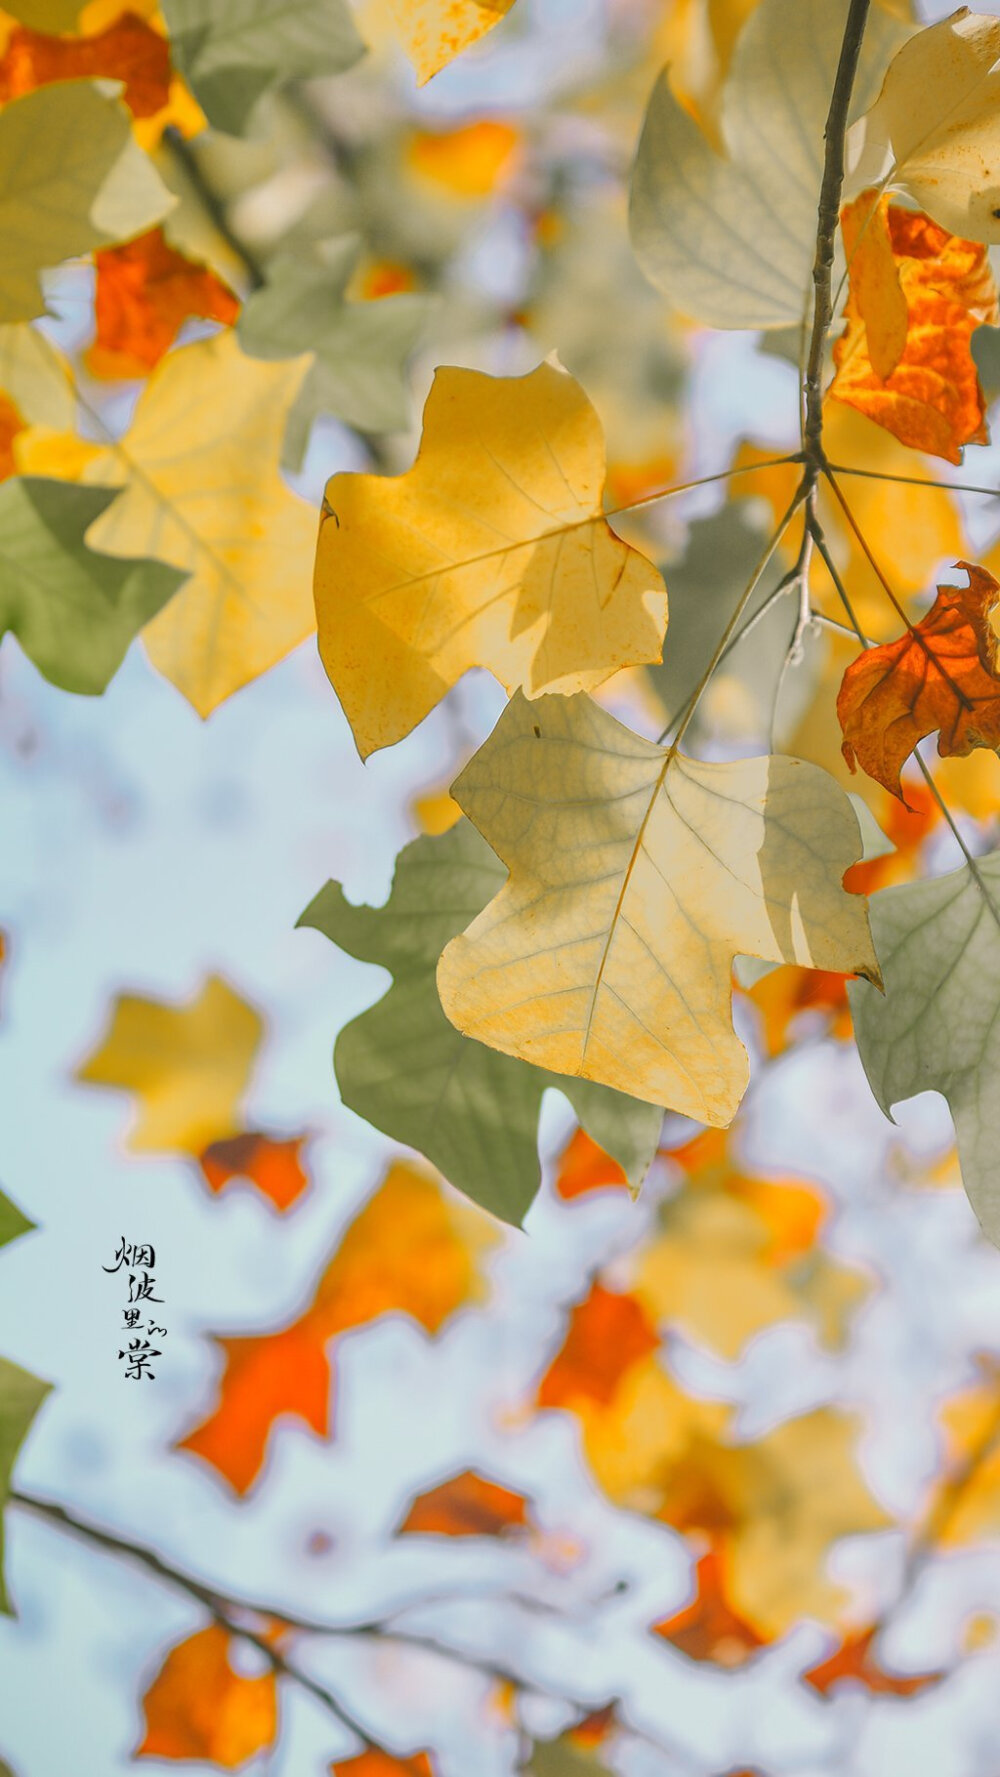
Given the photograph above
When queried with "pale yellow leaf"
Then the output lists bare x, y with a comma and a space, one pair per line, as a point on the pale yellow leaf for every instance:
188, 1066
491, 551
433, 32
202, 491
935, 127
636, 876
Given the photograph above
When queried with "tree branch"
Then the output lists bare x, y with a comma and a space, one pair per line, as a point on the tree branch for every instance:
829, 210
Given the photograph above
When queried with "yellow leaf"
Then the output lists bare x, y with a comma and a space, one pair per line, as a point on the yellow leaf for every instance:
636, 876
436, 811
935, 127
491, 551
970, 1484
635, 1440
203, 492
433, 32
189, 1066
774, 1508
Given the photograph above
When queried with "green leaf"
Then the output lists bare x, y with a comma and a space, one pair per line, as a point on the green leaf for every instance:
233, 51
730, 238
72, 177
51, 16
21, 1395
560, 1758
937, 1028
12, 1222
360, 348
472, 1111
73, 611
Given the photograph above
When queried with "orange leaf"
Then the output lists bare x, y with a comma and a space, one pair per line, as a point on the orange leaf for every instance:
146, 290
376, 1763
199, 1707
274, 1166
467, 1505
11, 423
607, 1335
410, 1251
586, 1167
129, 50
786, 994
854, 1659
916, 296
942, 674
709, 1628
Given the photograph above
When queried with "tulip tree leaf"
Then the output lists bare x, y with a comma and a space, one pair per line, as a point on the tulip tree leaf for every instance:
360, 348
72, 178
405, 1069
937, 1027
234, 51
730, 238
73, 611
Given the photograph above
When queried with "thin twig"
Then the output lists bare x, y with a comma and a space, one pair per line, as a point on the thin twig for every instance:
728, 637
955, 487
213, 206
227, 1612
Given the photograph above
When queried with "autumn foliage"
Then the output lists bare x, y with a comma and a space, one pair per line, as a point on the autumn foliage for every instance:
474, 880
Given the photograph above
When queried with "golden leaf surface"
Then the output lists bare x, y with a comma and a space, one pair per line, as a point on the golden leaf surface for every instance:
188, 1066
636, 876
935, 127
491, 551
202, 491
434, 32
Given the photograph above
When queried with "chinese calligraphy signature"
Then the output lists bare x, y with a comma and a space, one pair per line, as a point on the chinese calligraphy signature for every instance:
137, 1261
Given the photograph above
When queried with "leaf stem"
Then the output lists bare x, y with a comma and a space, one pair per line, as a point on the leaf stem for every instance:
829, 209
956, 487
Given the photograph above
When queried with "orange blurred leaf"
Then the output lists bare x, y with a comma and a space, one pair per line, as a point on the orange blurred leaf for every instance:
11, 424
376, 1763
466, 162
607, 1335
199, 1707
273, 1165
467, 1505
409, 1251
433, 32
854, 1659
916, 296
146, 290
785, 995
709, 1628
586, 1167
128, 50
942, 674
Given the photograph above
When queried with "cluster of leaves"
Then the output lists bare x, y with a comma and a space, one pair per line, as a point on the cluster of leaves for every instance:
587, 899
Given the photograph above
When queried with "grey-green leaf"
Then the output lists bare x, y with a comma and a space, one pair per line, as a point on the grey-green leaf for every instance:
470, 1110
21, 1395
360, 348
705, 586
72, 177
73, 611
233, 51
730, 238
560, 1758
12, 1222
937, 1027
